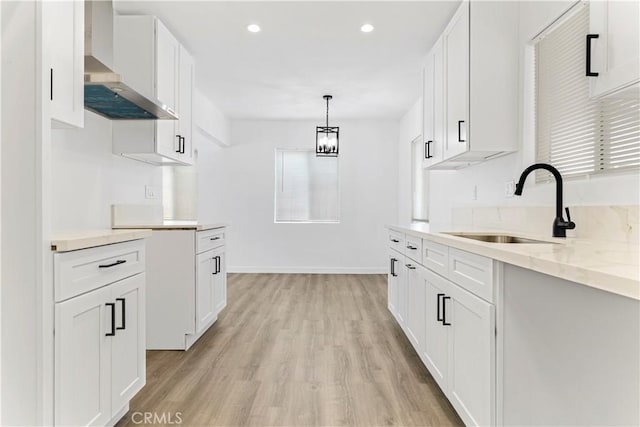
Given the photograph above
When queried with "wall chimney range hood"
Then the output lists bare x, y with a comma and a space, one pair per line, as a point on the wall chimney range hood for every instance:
105, 92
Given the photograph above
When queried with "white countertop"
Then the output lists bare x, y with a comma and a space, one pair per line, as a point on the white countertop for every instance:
609, 266
175, 225
74, 240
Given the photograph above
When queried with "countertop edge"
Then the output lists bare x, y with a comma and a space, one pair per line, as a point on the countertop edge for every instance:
91, 239
196, 227
593, 278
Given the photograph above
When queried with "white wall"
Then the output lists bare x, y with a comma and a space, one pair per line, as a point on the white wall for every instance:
450, 189
239, 184
88, 178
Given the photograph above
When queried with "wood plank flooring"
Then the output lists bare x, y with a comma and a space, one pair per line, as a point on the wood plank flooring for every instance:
296, 350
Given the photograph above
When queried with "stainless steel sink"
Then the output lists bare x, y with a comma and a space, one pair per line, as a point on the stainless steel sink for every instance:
498, 238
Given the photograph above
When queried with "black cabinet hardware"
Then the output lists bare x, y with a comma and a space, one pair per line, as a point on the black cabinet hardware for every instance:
438, 315
460, 122
218, 263
51, 85
588, 59
395, 240
393, 267
215, 238
113, 319
413, 248
410, 267
123, 317
183, 139
427, 150
179, 150
118, 262
444, 311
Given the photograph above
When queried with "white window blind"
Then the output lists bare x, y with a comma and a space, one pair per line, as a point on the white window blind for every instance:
578, 135
306, 187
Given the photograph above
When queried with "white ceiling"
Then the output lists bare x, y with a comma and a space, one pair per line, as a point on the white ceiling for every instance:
305, 50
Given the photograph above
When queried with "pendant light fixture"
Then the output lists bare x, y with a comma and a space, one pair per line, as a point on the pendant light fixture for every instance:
327, 137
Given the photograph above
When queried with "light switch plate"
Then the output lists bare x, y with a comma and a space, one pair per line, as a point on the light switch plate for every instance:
149, 192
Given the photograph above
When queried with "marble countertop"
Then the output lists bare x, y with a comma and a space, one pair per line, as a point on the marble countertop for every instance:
74, 240
609, 266
174, 225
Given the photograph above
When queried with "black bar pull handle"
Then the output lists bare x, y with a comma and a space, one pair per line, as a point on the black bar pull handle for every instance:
438, 315
410, 267
427, 149
51, 82
413, 248
184, 144
460, 122
215, 268
444, 311
395, 240
393, 267
179, 150
113, 264
219, 263
215, 238
588, 59
123, 317
113, 319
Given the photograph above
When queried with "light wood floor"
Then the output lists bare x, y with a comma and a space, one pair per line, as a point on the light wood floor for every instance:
297, 350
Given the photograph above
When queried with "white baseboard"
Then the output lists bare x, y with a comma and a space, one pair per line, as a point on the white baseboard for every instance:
307, 270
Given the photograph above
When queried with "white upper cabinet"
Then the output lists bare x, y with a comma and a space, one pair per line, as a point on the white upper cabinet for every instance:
456, 37
64, 28
432, 107
152, 61
614, 47
471, 109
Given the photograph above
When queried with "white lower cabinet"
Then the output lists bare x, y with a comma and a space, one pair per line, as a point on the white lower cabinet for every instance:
187, 286
99, 344
451, 329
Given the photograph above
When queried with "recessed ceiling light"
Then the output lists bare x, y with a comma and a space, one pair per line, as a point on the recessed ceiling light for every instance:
366, 28
253, 28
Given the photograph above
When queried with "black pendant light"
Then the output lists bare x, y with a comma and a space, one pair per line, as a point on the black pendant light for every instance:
327, 137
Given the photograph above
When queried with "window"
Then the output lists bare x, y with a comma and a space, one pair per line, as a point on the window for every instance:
306, 187
578, 135
419, 183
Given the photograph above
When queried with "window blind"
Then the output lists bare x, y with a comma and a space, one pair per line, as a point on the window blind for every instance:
306, 187
578, 135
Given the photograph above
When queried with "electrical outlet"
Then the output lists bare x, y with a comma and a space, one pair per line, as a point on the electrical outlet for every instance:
149, 192
509, 188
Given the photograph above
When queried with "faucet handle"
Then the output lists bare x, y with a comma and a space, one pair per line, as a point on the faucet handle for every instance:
568, 214
568, 225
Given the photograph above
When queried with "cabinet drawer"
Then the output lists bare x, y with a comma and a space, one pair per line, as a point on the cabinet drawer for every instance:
435, 257
77, 272
209, 239
396, 241
472, 272
413, 248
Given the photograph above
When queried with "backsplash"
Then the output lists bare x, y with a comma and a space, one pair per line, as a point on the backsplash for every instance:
609, 223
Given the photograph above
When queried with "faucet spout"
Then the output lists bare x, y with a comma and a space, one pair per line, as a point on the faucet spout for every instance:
559, 224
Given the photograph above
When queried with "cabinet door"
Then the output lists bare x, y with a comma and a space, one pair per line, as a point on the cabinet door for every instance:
416, 306
433, 106
64, 24
616, 51
403, 295
167, 60
456, 45
128, 362
220, 281
83, 359
471, 356
392, 282
435, 352
185, 124
205, 282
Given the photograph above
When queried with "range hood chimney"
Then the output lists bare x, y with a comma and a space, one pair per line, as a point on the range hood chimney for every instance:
105, 92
